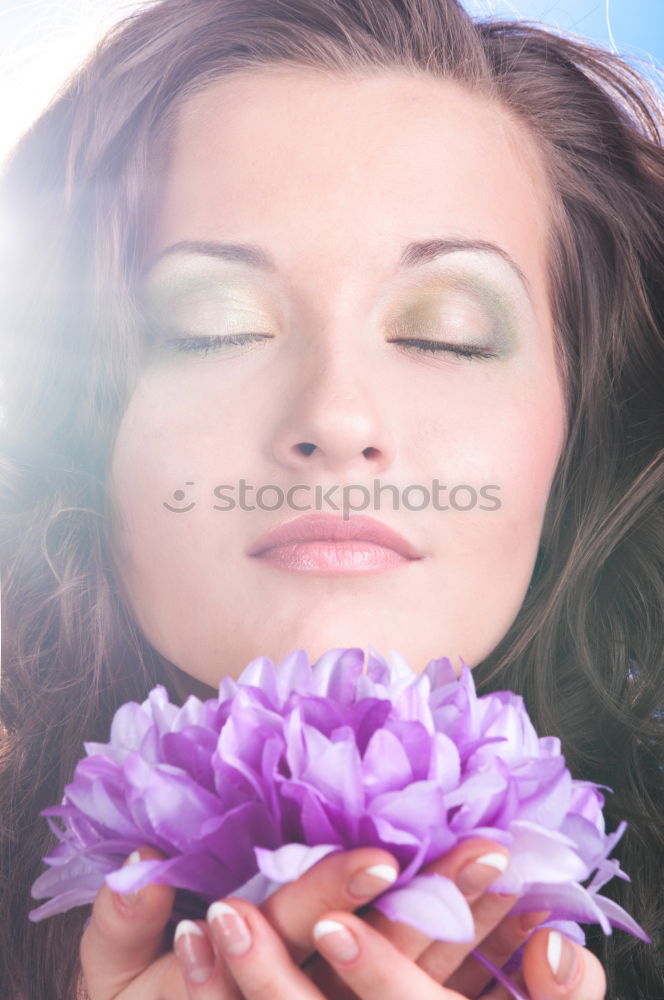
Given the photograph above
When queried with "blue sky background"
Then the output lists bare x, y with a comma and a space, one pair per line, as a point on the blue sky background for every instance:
635, 27
42, 41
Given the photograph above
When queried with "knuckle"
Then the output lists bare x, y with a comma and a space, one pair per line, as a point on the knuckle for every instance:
272, 908
262, 983
102, 927
492, 907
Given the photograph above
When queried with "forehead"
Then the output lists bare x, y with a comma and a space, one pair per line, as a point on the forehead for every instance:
328, 170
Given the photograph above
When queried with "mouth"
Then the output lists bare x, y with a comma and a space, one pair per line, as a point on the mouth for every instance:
327, 544
329, 556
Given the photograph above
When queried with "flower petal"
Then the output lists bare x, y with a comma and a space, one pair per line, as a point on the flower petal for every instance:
287, 863
433, 904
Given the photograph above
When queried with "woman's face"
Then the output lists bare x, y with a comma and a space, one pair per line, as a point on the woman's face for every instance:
332, 179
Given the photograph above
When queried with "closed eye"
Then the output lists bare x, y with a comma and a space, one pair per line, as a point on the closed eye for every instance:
201, 344
468, 352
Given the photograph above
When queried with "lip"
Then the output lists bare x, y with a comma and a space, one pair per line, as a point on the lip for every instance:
326, 528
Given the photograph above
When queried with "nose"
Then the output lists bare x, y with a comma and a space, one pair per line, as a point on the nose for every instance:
336, 420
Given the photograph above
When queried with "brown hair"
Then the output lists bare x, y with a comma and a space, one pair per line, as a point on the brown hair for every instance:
76, 193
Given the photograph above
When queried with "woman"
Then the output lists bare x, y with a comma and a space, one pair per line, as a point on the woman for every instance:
437, 260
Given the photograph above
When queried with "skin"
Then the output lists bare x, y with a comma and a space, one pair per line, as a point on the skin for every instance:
305, 166
448, 165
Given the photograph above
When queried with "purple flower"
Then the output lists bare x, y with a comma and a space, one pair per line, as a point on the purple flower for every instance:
246, 791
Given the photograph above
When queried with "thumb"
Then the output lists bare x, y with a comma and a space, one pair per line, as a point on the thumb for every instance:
557, 968
125, 934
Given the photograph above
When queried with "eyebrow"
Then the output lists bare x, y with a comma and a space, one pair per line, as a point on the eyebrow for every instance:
413, 254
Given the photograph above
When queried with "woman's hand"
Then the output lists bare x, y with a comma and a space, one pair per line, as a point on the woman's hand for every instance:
123, 952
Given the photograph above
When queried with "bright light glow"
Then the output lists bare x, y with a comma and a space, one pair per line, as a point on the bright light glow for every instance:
41, 43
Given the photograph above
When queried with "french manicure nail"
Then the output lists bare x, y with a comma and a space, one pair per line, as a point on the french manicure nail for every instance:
562, 958
192, 952
372, 881
231, 930
336, 941
481, 872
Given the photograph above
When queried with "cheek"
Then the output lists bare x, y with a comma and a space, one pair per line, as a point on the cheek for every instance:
512, 434
509, 437
526, 446
170, 434
149, 488
177, 440
533, 441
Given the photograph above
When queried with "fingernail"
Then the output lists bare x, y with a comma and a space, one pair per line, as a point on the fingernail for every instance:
481, 872
230, 929
336, 941
372, 881
193, 951
131, 898
562, 958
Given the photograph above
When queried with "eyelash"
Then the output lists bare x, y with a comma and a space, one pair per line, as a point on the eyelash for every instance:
438, 347
203, 344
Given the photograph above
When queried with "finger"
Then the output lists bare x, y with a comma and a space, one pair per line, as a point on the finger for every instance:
343, 881
497, 945
207, 977
472, 865
257, 958
555, 967
124, 935
442, 958
370, 965
327, 979
501, 992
